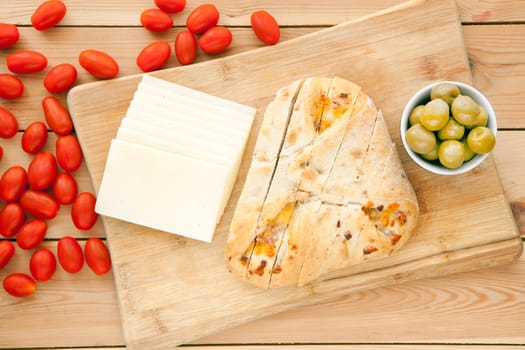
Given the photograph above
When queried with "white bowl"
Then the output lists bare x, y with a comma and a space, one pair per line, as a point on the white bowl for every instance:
422, 97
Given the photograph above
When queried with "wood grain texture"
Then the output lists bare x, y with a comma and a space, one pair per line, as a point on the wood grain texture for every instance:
296, 12
169, 317
495, 54
498, 69
342, 347
60, 311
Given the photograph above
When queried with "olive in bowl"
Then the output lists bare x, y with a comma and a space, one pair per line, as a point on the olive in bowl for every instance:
448, 128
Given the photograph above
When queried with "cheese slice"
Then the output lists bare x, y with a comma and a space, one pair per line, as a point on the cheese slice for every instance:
197, 95
202, 112
147, 140
211, 147
162, 190
176, 125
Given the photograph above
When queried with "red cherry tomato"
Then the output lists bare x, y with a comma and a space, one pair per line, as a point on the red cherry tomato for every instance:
171, 6
202, 18
11, 219
185, 47
42, 264
13, 183
156, 20
26, 62
19, 285
215, 40
153, 56
8, 124
70, 254
34, 137
265, 27
39, 204
48, 14
31, 234
57, 116
65, 188
11, 87
99, 64
60, 78
42, 171
83, 211
69, 153
97, 256
9, 35
7, 250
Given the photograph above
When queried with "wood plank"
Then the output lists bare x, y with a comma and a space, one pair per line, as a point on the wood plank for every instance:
485, 306
510, 162
498, 69
68, 310
62, 224
237, 12
342, 347
437, 248
495, 54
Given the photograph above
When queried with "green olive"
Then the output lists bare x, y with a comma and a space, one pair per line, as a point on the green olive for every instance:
419, 139
468, 153
432, 155
481, 139
435, 115
465, 110
481, 120
445, 91
451, 131
415, 115
451, 154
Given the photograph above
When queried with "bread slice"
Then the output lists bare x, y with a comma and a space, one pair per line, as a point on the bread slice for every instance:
326, 189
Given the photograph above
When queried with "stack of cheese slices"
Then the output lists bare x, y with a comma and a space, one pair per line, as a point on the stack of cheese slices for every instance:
175, 158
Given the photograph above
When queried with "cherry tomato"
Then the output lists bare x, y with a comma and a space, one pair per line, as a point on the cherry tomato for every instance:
31, 234
60, 78
26, 62
65, 188
265, 27
42, 171
215, 40
7, 250
156, 20
48, 14
1, 152
69, 153
83, 211
42, 264
185, 47
19, 285
70, 254
8, 124
13, 183
99, 64
11, 86
39, 204
34, 137
57, 116
11, 219
97, 256
154, 56
202, 18
171, 6
9, 35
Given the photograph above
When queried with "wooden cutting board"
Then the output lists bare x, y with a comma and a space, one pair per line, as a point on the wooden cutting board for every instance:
174, 290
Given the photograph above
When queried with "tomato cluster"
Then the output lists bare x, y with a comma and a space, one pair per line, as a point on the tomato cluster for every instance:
33, 196
201, 29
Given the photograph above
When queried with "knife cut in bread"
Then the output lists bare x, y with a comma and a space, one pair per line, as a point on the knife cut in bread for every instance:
325, 189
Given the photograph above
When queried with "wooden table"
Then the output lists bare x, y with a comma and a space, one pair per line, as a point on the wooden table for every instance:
478, 310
